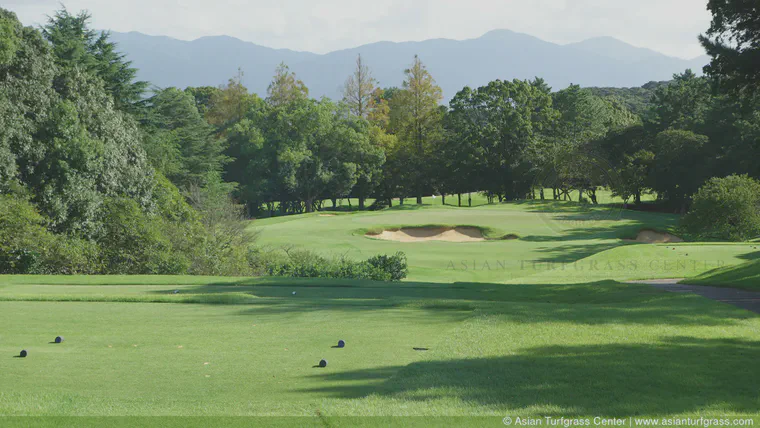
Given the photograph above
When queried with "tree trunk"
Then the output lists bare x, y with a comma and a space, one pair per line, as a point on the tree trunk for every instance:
309, 206
541, 193
390, 202
401, 200
638, 197
419, 200
361, 203
469, 199
335, 202
443, 199
459, 195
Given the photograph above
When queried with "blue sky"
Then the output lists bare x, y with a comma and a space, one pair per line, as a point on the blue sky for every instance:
668, 26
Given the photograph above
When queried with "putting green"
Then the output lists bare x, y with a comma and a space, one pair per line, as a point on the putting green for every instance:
554, 238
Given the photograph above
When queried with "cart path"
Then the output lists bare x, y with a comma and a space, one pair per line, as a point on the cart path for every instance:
749, 300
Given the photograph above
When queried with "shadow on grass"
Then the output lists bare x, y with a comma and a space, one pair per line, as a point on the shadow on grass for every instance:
595, 303
669, 376
572, 253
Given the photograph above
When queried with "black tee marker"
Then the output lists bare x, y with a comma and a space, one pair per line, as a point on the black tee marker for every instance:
59, 339
23, 354
323, 363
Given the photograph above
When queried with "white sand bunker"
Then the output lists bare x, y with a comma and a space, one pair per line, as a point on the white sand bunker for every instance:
327, 215
425, 234
654, 237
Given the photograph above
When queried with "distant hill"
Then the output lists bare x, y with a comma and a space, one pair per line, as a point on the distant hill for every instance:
637, 100
500, 54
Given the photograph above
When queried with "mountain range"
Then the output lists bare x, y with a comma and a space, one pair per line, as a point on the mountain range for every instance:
499, 54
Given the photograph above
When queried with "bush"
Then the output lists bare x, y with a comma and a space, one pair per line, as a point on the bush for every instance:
23, 262
395, 266
226, 244
725, 209
299, 263
133, 242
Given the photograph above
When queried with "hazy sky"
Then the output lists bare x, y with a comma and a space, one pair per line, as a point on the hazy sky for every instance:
668, 26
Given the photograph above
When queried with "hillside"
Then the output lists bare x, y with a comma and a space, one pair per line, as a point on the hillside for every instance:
499, 54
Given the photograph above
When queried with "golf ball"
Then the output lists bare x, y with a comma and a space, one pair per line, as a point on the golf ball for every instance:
294, 293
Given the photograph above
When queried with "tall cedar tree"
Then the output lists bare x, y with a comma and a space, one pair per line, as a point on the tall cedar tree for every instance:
420, 120
359, 90
76, 45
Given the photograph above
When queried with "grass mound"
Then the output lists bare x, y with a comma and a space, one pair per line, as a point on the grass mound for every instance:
745, 276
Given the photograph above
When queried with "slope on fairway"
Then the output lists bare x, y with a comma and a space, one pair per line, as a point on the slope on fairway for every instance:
745, 276
642, 261
548, 231
493, 349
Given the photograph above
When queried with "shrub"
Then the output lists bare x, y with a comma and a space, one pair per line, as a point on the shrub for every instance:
17, 262
300, 263
226, 244
725, 209
395, 266
133, 242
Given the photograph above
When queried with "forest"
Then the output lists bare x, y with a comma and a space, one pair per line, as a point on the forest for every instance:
100, 173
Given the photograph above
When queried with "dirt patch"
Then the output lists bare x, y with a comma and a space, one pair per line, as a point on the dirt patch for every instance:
424, 234
654, 237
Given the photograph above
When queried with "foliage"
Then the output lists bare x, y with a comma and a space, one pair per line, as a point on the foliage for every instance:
725, 209
733, 42
418, 123
673, 175
359, 90
394, 265
182, 145
134, 242
299, 263
285, 88
76, 45
225, 247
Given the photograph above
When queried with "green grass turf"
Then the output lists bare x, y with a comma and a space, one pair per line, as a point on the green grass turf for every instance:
494, 350
745, 276
552, 234
531, 327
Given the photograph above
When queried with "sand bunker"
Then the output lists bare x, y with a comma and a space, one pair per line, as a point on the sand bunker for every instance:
327, 215
654, 237
424, 234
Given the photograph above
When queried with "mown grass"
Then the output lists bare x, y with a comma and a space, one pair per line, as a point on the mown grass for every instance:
534, 327
551, 234
493, 350
745, 276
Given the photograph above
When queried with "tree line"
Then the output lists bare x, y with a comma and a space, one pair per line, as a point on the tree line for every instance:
102, 173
